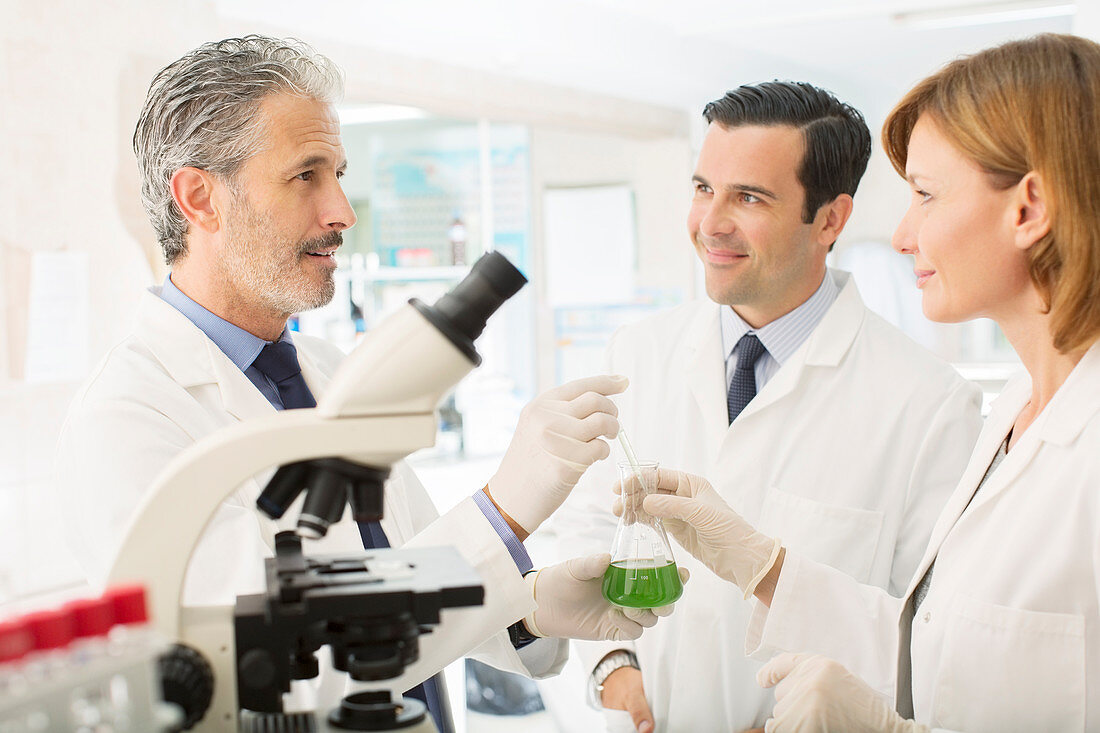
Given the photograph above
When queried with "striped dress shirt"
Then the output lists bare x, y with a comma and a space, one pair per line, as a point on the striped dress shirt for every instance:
781, 337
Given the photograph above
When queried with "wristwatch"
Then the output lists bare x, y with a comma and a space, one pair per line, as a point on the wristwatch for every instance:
519, 635
613, 661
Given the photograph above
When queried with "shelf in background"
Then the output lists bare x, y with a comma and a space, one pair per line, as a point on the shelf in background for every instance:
409, 274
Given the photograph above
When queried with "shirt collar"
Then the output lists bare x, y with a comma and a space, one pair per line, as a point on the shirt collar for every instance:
784, 335
239, 345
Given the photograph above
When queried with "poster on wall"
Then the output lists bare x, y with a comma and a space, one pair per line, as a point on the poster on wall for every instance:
590, 244
57, 318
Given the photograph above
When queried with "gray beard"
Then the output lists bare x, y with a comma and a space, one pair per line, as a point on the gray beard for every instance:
268, 280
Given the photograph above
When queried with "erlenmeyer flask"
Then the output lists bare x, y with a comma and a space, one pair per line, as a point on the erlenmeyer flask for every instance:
643, 572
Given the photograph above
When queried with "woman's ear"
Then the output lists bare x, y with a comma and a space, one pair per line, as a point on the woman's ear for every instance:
193, 191
1031, 212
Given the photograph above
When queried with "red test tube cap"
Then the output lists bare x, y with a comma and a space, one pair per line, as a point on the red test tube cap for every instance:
91, 616
15, 640
128, 603
50, 629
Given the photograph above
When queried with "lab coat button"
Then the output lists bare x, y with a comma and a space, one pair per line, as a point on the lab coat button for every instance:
927, 617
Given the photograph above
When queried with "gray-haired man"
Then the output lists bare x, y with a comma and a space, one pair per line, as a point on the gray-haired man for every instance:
240, 156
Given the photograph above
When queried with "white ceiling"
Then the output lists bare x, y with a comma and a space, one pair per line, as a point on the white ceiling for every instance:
679, 54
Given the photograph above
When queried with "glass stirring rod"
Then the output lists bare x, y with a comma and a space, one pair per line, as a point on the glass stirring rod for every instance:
630, 457
633, 460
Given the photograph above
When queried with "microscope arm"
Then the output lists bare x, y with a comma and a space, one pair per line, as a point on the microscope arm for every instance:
378, 409
403, 368
159, 542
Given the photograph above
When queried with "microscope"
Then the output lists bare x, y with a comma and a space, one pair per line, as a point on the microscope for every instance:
231, 664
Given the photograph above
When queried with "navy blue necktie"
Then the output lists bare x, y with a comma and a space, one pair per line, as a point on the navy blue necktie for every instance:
279, 363
743, 384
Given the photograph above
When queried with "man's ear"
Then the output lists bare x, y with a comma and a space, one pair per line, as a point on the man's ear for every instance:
831, 218
193, 191
1031, 214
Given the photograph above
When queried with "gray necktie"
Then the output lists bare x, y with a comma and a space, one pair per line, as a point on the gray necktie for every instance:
743, 384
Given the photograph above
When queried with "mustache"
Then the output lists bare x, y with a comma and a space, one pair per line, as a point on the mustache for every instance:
332, 239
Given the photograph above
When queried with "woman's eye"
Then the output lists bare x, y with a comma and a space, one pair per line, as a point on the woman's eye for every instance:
924, 196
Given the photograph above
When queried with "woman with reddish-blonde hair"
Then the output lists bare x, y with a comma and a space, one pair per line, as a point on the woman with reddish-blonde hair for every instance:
1000, 627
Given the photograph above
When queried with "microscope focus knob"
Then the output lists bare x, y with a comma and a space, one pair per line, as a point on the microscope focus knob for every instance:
186, 680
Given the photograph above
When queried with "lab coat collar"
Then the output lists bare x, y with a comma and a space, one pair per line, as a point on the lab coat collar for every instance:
831, 340
825, 347
316, 378
192, 359
1060, 422
706, 371
1074, 404
1063, 418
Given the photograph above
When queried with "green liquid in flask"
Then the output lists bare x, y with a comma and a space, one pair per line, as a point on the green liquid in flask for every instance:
637, 585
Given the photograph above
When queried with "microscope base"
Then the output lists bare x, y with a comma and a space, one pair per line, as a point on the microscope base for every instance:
360, 712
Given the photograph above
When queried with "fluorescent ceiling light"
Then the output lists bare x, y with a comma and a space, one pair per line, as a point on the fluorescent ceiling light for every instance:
362, 114
984, 14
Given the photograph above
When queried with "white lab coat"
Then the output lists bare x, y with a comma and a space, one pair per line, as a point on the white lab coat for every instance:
847, 454
166, 386
1008, 638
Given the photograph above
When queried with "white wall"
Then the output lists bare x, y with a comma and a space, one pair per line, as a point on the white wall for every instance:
880, 201
72, 80
1087, 20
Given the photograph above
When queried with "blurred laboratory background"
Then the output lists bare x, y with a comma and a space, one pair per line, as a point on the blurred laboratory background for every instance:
562, 134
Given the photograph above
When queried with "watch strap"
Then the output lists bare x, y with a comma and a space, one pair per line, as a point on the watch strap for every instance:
614, 661
519, 635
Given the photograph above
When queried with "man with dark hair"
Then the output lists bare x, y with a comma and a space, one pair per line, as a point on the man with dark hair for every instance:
815, 419
837, 142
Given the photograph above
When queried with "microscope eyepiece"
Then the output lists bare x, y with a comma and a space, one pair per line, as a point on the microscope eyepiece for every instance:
491, 281
461, 314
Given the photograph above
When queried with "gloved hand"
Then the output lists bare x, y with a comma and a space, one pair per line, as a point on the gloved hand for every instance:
815, 693
697, 517
572, 606
558, 437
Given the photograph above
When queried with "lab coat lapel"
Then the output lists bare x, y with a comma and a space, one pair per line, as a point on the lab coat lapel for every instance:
239, 395
1060, 422
194, 360
316, 379
1076, 402
706, 376
825, 347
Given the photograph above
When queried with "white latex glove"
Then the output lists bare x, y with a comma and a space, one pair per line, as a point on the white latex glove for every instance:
697, 517
560, 434
572, 606
815, 693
